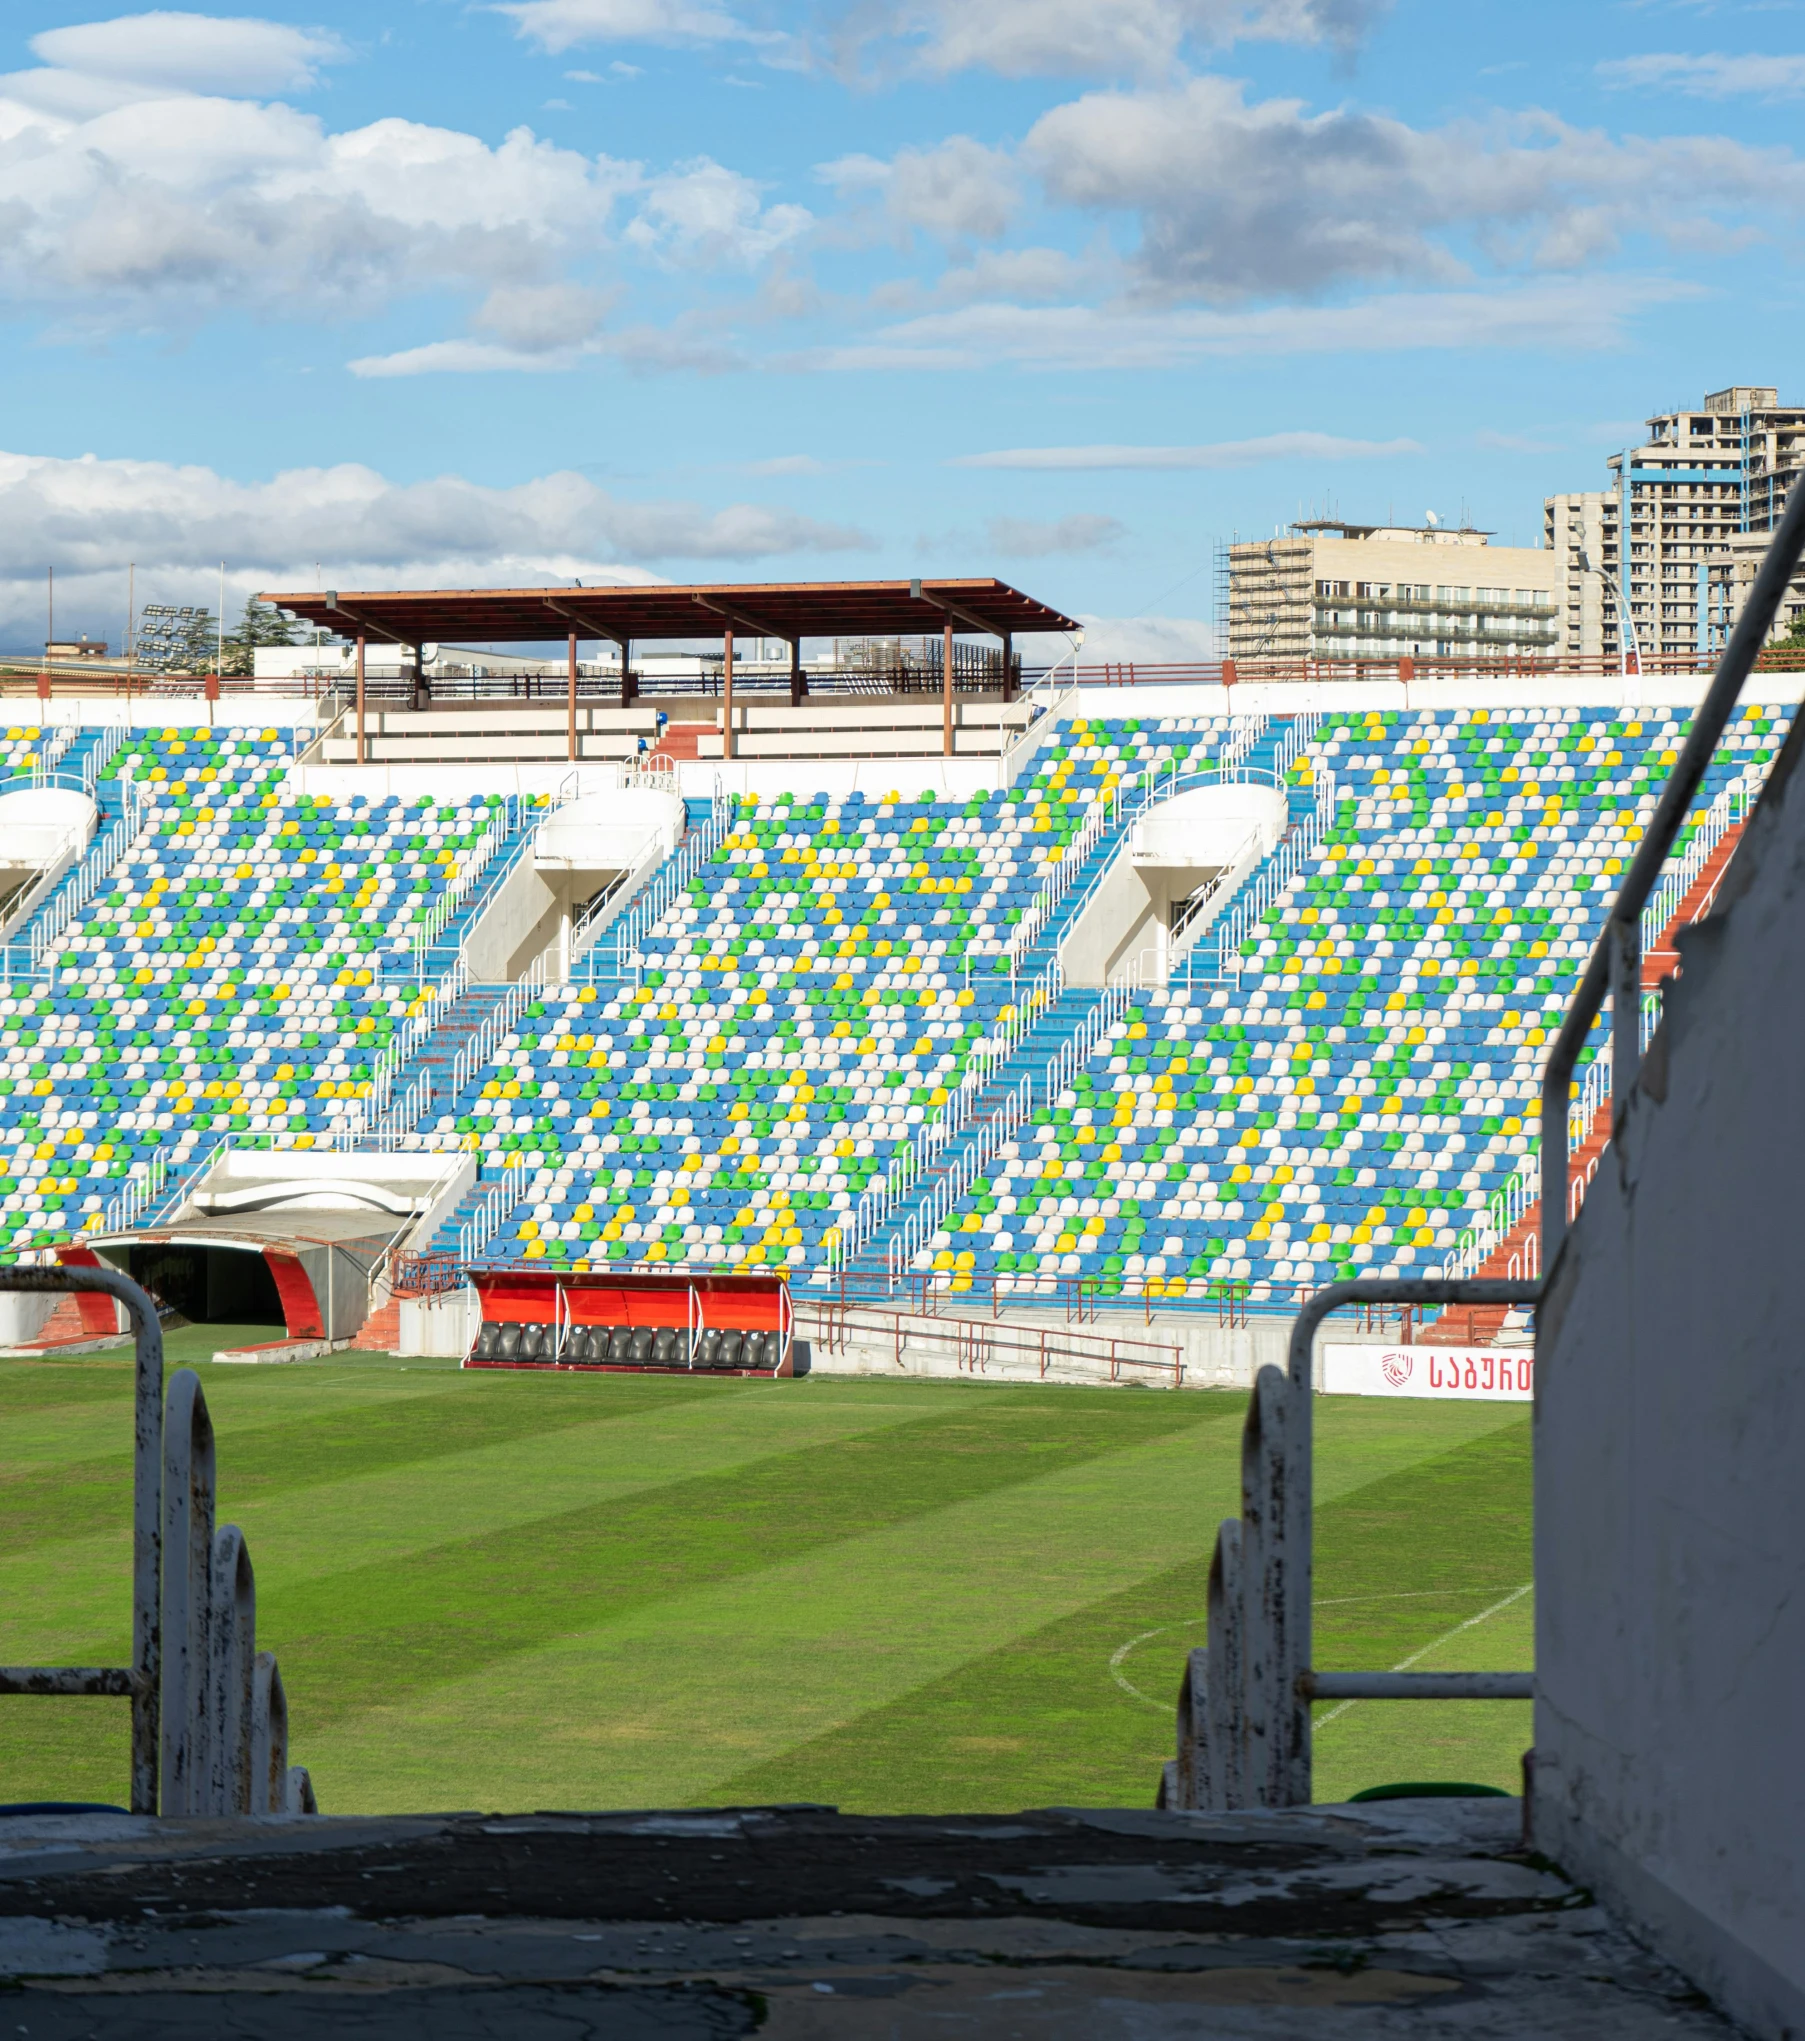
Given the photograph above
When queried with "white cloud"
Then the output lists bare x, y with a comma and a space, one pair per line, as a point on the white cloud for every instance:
160, 211
1029, 538
89, 517
702, 215
1560, 313
167, 51
956, 192
559, 25
542, 318
789, 464
1228, 453
1081, 38
1237, 199
1712, 76
128, 202
1158, 641
465, 358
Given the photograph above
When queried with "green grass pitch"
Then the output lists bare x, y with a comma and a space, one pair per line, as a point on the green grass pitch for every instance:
525, 1591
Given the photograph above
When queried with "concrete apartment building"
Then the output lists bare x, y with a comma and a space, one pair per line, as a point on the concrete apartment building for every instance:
1330, 591
1700, 499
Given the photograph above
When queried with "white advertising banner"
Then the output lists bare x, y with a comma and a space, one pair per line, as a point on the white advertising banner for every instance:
1498, 1376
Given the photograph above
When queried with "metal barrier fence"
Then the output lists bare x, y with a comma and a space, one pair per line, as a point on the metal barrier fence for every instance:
977, 1344
209, 1714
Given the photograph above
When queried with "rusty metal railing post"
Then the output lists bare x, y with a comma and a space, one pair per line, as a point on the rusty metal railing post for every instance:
188, 1491
1247, 1697
142, 1680
232, 1647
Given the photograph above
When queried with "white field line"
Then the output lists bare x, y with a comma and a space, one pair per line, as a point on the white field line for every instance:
1120, 1654
1435, 1644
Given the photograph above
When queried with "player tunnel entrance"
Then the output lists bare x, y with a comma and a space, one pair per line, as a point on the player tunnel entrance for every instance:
209, 1285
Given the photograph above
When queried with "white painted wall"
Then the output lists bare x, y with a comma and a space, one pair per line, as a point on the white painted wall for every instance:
243, 715
454, 782
951, 779
1124, 925
609, 832
1208, 826
1670, 1469
443, 1325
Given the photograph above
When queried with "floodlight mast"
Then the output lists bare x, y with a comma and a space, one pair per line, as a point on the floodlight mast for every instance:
1628, 647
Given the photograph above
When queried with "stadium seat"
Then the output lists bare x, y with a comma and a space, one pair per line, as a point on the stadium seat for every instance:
1345, 1098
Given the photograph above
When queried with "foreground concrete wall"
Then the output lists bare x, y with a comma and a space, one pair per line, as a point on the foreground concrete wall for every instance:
1670, 1444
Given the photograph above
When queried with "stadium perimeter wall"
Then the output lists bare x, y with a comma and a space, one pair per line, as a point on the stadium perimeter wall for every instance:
875, 1341
1670, 1431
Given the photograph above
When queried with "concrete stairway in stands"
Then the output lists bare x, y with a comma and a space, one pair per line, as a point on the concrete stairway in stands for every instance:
1663, 959
437, 1054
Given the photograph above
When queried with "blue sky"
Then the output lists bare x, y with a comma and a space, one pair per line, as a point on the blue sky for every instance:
1061, 290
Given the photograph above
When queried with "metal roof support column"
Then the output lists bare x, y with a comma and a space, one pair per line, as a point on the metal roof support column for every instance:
946, 684
1008, 666
570, 700
798, 686
727, 745
360, 699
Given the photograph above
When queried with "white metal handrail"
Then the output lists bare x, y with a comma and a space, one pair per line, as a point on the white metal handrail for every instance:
1244, 732
192, 1175
384, 1128
1060, 1067
95, 870
1066, 1061
479, 1229
412, 1035
1146, 793
1103, 814
479, 1051
1297, 736
144, 1184
921, 1224
1258, 893
1727, 812
1048, 702
638, 921
508, 822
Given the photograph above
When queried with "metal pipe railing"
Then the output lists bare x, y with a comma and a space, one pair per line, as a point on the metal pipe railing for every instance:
1244, 1706
1615, 965
142, 1680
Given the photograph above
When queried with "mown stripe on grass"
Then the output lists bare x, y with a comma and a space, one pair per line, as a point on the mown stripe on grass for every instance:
69, 1602
1039, 1720
671, 1694
366, 1637
263, 1453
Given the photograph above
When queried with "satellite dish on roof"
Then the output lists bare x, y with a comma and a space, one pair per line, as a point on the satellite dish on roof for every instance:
428, 653
1432, 518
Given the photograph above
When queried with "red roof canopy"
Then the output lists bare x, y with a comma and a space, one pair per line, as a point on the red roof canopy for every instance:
772, 609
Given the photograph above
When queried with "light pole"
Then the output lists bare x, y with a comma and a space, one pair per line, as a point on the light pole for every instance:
1628, 648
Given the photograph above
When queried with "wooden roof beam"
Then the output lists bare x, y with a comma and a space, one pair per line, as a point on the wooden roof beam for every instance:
366, 625
742, 622
920, 592
588, 626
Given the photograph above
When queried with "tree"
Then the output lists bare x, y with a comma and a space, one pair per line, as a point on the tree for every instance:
261, 624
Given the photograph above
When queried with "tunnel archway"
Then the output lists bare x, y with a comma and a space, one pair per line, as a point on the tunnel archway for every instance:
209, 1285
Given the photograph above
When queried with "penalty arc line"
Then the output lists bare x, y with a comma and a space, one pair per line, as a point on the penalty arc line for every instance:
1118, 1657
